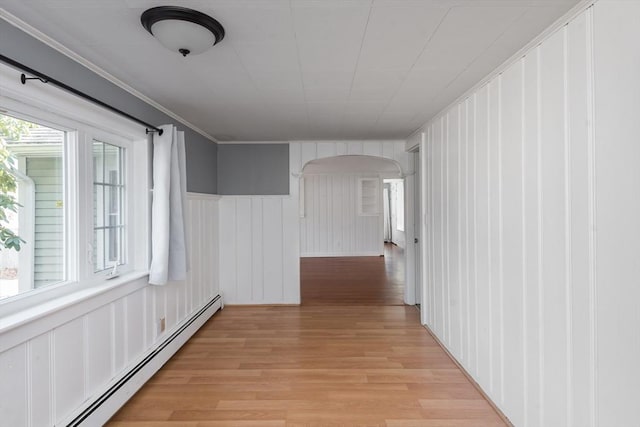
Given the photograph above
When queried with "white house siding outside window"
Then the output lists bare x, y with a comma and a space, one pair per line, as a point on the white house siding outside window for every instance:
81, 208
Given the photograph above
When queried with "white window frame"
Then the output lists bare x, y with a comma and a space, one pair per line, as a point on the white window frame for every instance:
83, 121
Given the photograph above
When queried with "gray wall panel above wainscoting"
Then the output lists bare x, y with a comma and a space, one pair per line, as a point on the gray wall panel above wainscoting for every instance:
201, 152
253, 169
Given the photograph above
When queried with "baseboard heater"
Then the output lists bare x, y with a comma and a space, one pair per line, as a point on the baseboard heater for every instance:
98, 412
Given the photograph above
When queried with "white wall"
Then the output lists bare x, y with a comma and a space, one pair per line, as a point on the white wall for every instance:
532, 226
331, 225
50, 366
616, 271
259, 250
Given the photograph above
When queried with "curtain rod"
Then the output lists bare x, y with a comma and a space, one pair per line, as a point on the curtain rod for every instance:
46, 79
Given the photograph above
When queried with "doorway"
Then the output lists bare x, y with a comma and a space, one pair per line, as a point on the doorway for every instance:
344, 258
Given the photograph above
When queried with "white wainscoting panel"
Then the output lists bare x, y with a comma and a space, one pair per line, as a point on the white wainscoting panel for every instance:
616, 271
508, 231
259, 250
46, 378
331, 225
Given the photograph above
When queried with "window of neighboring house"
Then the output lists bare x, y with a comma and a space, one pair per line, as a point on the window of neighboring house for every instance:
34, 209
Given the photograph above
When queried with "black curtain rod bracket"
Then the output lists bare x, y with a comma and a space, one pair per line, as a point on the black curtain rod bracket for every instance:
46, 79
24, 78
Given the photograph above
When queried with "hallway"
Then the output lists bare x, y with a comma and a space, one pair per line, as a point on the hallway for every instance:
336, 360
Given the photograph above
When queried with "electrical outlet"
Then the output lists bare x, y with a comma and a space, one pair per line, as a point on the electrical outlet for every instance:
163, 324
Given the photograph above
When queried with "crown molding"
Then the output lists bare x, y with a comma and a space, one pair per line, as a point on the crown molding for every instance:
59, 47
544, 35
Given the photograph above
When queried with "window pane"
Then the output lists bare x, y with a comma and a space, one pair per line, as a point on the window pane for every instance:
31, 181
400, 205
108, 192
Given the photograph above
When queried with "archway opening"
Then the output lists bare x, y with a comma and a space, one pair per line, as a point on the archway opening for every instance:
344, 256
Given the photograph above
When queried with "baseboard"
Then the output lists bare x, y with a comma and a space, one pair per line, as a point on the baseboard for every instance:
470, 378
102, 407
339, 254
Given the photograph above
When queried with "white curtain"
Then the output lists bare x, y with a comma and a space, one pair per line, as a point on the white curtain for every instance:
168, 240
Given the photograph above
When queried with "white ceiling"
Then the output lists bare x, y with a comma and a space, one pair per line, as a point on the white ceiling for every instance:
303, 69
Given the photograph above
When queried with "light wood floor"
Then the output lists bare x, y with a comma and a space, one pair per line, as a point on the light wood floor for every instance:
354, 280
313, 365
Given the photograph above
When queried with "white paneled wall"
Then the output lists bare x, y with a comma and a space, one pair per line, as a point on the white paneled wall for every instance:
508, 188
260, 235
259, 250
331, 225
72, 355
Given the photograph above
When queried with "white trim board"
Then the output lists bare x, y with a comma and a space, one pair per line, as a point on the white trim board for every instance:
103, 406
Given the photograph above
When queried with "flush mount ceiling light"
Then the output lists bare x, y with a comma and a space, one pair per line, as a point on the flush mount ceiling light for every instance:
182, 30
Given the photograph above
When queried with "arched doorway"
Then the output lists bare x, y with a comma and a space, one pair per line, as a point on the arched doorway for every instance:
344, 257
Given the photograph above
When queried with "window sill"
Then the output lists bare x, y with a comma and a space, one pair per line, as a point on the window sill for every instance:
66, 301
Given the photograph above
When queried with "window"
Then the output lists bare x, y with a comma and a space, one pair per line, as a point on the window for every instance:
108, 204
399, 190
34, 207
71, 207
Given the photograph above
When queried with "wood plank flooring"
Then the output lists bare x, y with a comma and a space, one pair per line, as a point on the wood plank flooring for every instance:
312, 365
354, 280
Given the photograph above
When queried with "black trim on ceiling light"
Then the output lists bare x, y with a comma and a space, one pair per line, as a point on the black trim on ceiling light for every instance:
163, 13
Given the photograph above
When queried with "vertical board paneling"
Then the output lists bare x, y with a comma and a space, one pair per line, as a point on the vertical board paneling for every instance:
617, 210
68, 367
264, 259
291, 250
257, 254
438, 252
495, 244
482, 236
244, 244
453, 242
355, 147
509, 200
578, 90
14, 410
463, 239
40, 391
119, 323
273, 249
99, 357
532, 247
512, 226
135, 324
327, 149
552, 139
470, 172
228, 264
333, 220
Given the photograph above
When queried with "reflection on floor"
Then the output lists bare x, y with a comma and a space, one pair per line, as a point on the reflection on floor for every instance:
354, 280
351, 355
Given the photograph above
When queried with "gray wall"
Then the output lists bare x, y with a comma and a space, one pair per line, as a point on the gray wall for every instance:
202, 153
253, 169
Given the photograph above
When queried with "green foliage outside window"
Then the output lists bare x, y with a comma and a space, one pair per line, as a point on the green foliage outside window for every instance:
11, 129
